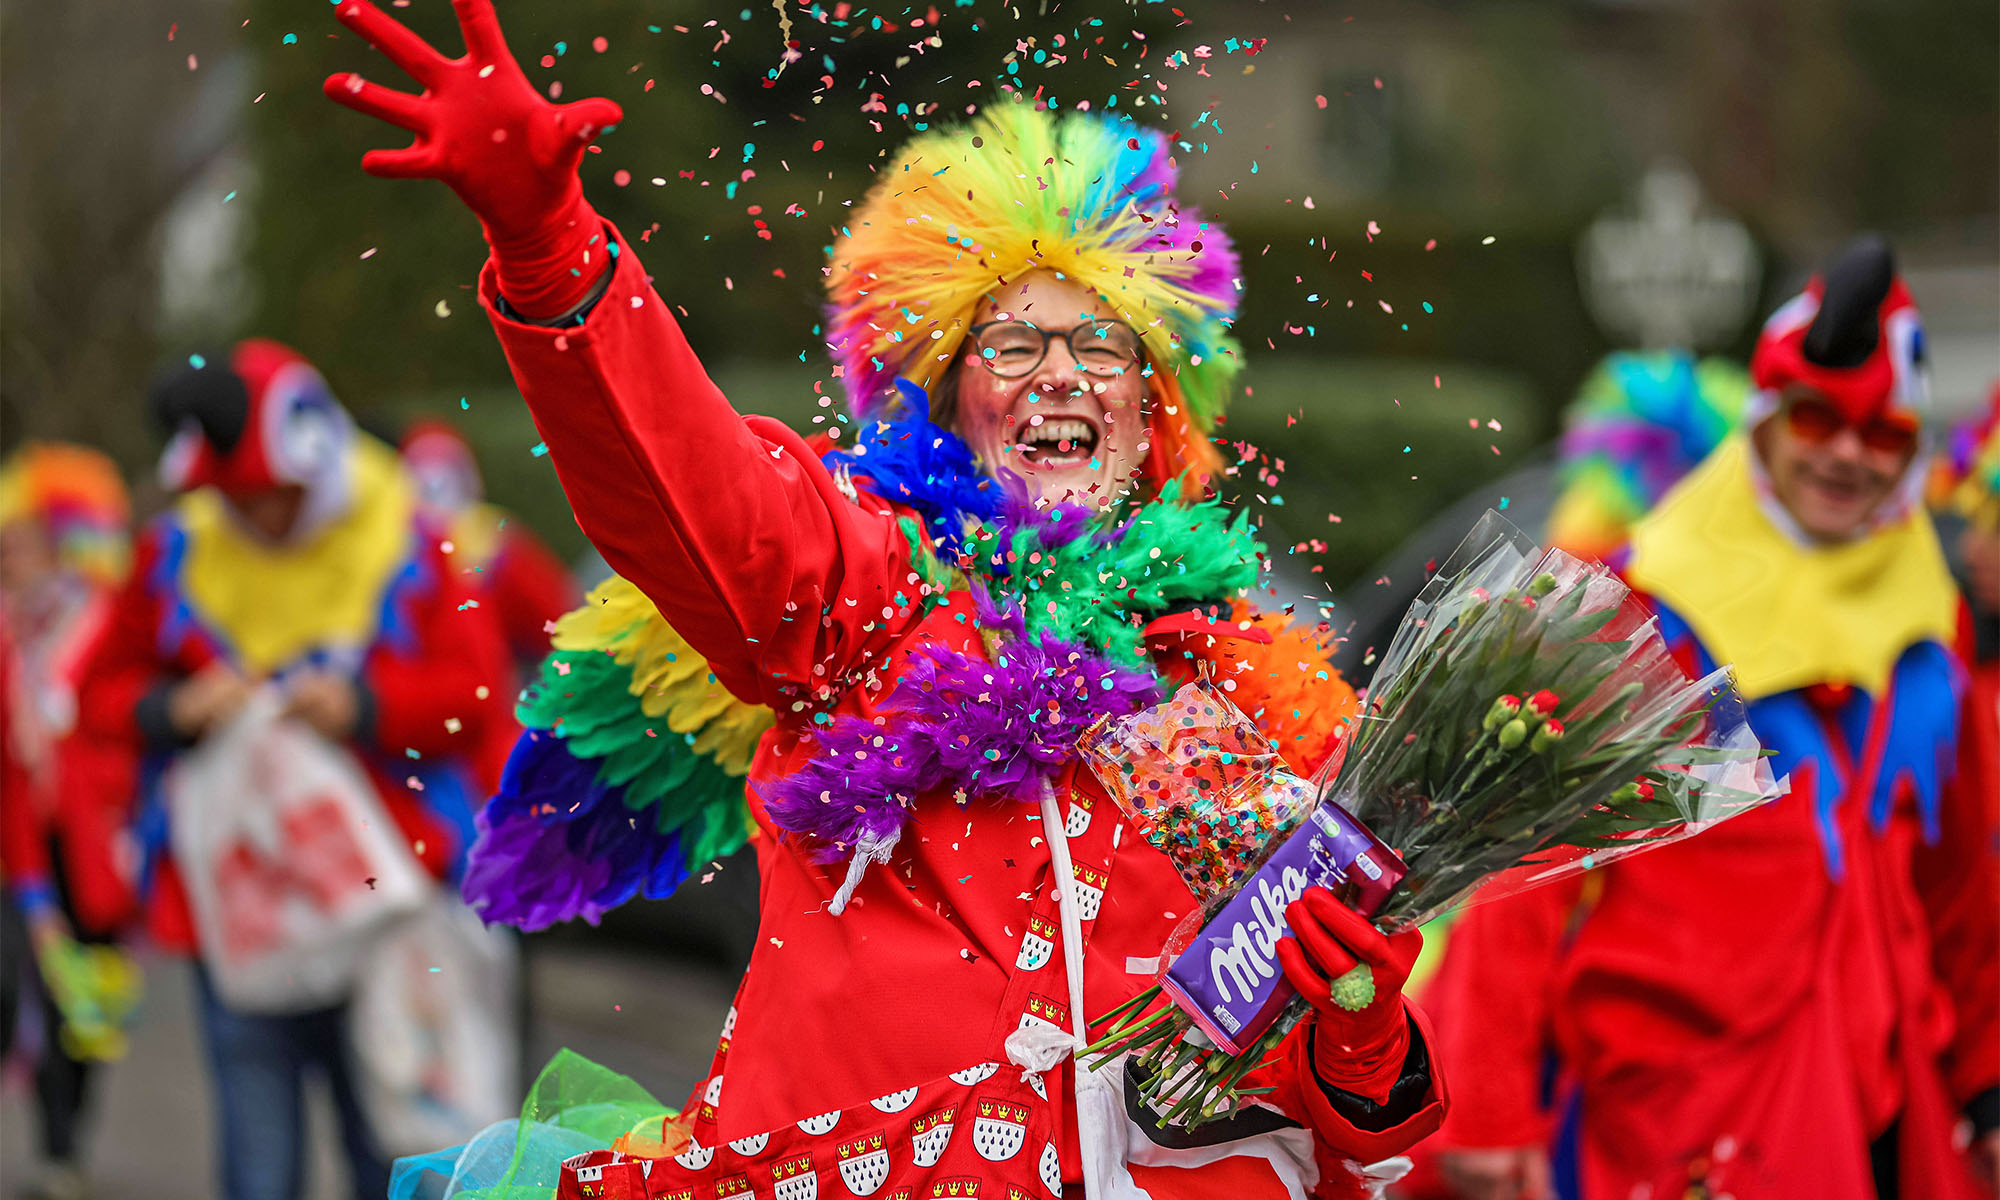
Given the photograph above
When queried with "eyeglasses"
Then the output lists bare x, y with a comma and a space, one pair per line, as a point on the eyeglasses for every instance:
1011, 349
1814, 420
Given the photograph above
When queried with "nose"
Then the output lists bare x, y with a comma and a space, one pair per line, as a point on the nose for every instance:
1846, 445
1059, 372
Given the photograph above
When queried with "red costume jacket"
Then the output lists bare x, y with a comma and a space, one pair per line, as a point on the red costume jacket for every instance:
65, 796
432, 669
862, 1037
1747, 1011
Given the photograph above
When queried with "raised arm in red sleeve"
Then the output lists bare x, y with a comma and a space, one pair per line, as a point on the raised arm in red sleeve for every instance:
729, 524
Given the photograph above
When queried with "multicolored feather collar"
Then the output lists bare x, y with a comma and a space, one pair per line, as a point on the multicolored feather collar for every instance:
1062, 597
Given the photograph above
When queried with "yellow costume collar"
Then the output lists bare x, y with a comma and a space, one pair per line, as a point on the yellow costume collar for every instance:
275, 604
1788, 615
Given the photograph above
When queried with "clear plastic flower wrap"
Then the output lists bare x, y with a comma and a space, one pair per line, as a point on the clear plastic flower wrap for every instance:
1527, 722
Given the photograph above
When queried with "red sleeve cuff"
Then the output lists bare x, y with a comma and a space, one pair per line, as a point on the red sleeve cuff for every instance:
1341, 1132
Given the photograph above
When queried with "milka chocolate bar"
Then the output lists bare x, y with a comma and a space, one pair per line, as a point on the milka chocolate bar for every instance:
1228, 980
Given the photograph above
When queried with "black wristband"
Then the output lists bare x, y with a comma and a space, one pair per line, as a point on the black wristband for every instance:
575, 316
1983, 1111
1406, 1097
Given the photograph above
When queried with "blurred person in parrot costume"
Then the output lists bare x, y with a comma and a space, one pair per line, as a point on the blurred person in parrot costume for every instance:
527, 586
296, 557
518, 578
1800, 1002
1965, 497
64, 543
876, 665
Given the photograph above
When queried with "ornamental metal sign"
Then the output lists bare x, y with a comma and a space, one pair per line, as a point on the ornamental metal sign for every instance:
1670, 275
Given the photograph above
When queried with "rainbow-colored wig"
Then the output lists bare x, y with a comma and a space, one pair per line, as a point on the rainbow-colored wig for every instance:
78, 497
967, 210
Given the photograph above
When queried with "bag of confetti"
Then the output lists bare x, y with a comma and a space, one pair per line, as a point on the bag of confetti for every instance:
1527, 723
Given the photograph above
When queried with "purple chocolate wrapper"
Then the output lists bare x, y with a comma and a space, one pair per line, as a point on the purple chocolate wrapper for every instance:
1228, 978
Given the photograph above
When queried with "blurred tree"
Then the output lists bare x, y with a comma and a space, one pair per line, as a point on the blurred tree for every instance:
113, 107
731, 180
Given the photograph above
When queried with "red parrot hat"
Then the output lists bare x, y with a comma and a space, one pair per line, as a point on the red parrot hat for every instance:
1854, 336
257, 418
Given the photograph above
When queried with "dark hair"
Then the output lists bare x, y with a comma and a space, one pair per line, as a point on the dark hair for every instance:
944, 397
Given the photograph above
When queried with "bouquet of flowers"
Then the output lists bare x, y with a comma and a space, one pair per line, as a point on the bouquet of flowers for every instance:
1527, 722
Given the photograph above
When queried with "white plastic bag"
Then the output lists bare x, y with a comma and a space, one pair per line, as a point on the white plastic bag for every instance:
291, 864
435, 1026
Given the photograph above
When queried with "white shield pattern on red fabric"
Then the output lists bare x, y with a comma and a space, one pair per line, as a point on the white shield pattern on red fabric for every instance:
895, 1102
864, 1164
1051, 1169
977, 1073
1089, 890
713, 1093
1035, 1081
795, 1179
1044, 1013
998, 1129
696, 1157
752, 1146
1078, 818
930, 1134
1038, 944
823, 1123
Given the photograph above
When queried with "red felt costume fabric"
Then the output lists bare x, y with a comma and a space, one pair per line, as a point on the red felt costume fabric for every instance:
71, 795
793, 591
1725, 1011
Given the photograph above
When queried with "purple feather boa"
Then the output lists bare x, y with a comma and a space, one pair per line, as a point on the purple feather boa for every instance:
978, 729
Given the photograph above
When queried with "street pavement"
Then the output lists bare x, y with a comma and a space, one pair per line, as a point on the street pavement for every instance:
152, 1132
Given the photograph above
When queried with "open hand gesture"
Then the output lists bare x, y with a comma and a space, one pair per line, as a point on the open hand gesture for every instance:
481, 127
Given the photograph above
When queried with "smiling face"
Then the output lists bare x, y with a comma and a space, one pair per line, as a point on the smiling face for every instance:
1831, 477
1072, 426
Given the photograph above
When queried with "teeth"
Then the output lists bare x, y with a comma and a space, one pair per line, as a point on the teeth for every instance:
1044, 432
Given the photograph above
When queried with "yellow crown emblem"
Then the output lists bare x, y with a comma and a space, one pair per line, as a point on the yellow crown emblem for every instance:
861, 1145
791, 1167
936, 1117
1047, 1009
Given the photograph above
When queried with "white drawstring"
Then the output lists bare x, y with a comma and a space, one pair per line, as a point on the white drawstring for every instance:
1034, 1048
871, 849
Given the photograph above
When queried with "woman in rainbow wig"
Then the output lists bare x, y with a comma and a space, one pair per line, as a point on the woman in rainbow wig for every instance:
898, 644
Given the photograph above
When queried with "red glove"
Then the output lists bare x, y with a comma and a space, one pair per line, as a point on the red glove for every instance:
1360, 1052
509, 154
